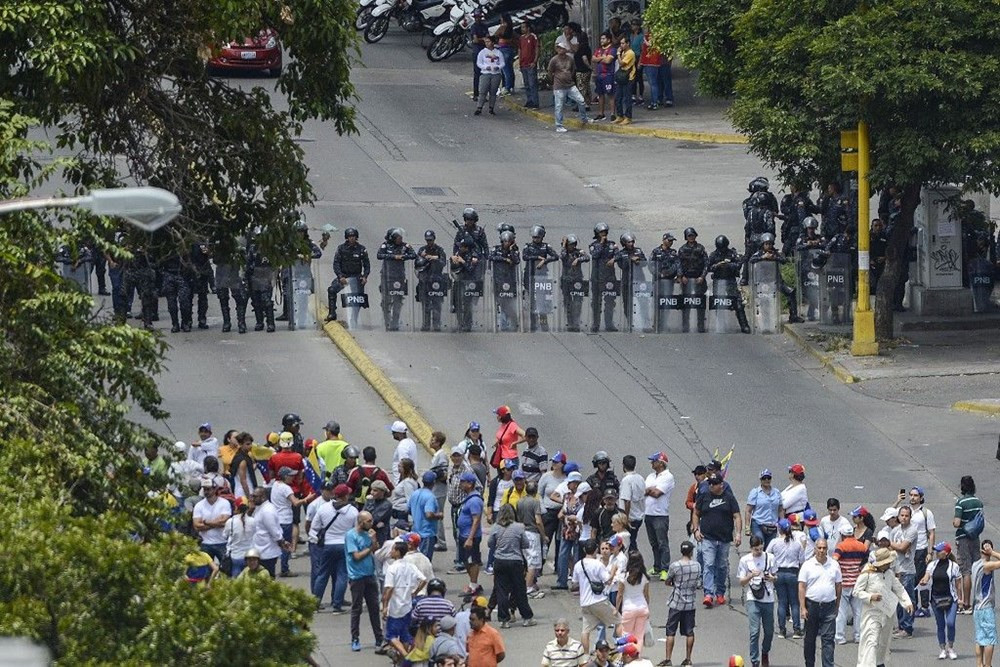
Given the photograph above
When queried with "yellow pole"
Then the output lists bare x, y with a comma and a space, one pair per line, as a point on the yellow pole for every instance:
864, 343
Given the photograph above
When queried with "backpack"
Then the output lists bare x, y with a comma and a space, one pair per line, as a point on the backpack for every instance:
364, 484
975, 526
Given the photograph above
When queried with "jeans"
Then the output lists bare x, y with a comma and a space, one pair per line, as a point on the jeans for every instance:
489, 83
365, 591
573, 94
760, 614
765, 537
286, 534
333, 565
239, 564
821, 622
441, 500
946, 623
427, 546
508, 67
476, 72
218, 551
529, 75
314, 564
666, 84
269, 565
658, 529
716, 575
904, 618
787, 588
850, 606
633, 531
652, 73
455, 510
508, 581
567, 551
623, 99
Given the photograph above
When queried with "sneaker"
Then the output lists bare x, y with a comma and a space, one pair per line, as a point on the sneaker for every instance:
952, 655
626, 121
720, 600
355, 645
783, 633
796, 634
489, 569
943, 654
841, 641
707, 602
652, 572
338, 610
663, 575
440, 547
504, 625
477, 112
560, 128
668, 103
600, 117
528, 623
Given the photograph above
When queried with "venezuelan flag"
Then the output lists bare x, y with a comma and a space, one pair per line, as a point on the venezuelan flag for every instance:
313, 475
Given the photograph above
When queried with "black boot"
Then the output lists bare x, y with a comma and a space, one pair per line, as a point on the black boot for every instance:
259, 326
741, 317
241, 325
270, 321
227, 324
332, 315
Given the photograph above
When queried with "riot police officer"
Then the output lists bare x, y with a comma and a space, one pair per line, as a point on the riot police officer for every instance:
139, 274
811, 249
836, 210
260, 278
229, 281
572, 274
762, 185
505, 258
537, 255
471, 229
796, 208
602, 273
349, 261
76, 268
626, 258
725, 263
465, 266
768, 253
315, 252
693, 267
877, 242
665, 267
394, 253
759, 220
201, 276
843, 243
176, 276
432, 282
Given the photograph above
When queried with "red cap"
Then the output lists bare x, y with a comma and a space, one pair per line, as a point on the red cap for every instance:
630, 650
413, 538
797, 469
502, 411
341, 490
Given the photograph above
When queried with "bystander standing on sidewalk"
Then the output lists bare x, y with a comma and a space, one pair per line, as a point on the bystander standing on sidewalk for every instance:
527, 57
490, 62
649, 60
666, 81
582, 59
604, 76
507, 43
967, 508
624, 81
635, 39
562, 74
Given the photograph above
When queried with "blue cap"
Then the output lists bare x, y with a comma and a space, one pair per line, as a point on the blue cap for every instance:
208, 427
784, 524
559, 456
572, 466
468, 476
765, 473
473, 426
429, 477
920, 490
509, 464
519, 474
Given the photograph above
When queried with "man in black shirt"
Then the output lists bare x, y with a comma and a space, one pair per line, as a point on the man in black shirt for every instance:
716, 524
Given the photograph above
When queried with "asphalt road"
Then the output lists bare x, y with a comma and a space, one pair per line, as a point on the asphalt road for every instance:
686, 395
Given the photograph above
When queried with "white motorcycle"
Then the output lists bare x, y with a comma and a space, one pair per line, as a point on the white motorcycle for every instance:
412, 16
364, 14
452, 34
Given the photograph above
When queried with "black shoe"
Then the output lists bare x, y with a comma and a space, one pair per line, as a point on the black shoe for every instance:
746, 330
478, 112
281, 318
270, 328
202, 325
332, 317
475, 98
241, 327
186, 328
104, 292
492, 112
611, 329
668, 103
259, 326
227, 327
593, 328
175, 329
701, 329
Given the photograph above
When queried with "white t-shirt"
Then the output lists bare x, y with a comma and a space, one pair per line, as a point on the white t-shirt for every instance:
343, 519
832, 529
207, 511
923, 519
786, 554
633, 488
820, 579
403, 577
665, 483
405, 449
585, 528
596, 573
208, 447
620, 561
421, 562
766, 563
313, 507
794, 498
281, 496
239, 532
633, 597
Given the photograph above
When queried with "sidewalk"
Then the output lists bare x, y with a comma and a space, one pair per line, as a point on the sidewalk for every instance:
692, 118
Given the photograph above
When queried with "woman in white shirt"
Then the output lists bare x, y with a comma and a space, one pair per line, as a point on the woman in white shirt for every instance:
238, 531
404, 488
942, 576
794, 497
633, 595
758, 572
788, 554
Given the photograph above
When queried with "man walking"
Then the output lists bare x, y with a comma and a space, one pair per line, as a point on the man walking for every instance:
819, 596
758, 571
684, 578
361, 545
717, 523
984, 604
656, 510
632, 499
562, 73
852, 555
425, 514
904, 543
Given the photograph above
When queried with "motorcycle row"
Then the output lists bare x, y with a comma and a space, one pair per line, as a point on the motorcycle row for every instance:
447, 22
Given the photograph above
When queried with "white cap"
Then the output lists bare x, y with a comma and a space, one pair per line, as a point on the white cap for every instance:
890, 513
582, 489
574, 477
846, 530
398, 427
180, 446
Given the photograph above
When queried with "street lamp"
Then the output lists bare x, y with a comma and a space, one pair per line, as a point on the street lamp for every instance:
144, 207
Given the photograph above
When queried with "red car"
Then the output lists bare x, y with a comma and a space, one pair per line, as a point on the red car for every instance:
253, 54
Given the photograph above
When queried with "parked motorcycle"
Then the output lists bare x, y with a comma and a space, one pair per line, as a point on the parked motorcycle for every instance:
364, 14
412, 16
452, 34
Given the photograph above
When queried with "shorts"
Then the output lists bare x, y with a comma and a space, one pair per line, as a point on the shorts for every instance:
296, 514
684, 618
985, 621
533, 552
968, 553
473, 555
398, 628
604, 85
599, 613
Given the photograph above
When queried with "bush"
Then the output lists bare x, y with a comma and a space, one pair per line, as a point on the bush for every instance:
546, 50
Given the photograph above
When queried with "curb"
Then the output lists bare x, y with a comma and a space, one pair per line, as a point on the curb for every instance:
837, 369
986, 406
658, 133
380, 382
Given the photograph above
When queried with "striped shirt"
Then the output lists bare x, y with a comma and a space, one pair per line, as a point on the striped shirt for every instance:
966, 508
432, 608
534, 462
570, 655
852, 556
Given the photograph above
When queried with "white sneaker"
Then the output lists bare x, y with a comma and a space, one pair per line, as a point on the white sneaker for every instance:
952, 655
943, 654
560, 128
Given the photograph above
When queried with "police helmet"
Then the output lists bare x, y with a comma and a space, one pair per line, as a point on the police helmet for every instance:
810, 223
669, 237
758, 199
470, 215
759, 184
505, 227
349, 232
538, 231
626, 238
429, 235
394, 232
466, 240
600, 457
350, 452
506, 236
290, 419
435, 585
721, 242
600, 228
572, 240
767, 237
690, 231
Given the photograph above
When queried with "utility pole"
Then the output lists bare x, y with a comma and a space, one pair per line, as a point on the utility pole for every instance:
854, 156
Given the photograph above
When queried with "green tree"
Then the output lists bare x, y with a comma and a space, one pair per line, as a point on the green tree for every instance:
921, 73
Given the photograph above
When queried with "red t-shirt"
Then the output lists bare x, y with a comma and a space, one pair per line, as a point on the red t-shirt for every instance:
507, 436
649, 56
528, 51
354, 479
292, 460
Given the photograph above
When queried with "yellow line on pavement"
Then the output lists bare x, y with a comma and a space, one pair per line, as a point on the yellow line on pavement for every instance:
982, 407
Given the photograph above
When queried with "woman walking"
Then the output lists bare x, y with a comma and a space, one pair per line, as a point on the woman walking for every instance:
943, 576
758, 572
763, 509
795, 497
507, 541
408, 483
633, 596
788, 555
864, 526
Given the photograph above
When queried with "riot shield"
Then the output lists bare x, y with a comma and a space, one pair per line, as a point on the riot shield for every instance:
693, 301
354, 303
807, 274
432, 300
470, 303
299, 293
540, 287
836, 290
667, 306
604, 293
981, 282
723, 303
506, 305
765, 305
396, 295
640, 302
78, 273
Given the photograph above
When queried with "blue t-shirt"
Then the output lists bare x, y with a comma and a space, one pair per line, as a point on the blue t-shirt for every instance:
354, 542
421, 502
765, 505
471, 508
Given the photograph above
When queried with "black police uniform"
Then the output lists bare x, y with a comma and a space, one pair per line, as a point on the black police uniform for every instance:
836, 212
810, 246
315, 252
693, 265
759, 220
532, 254
229, 281
776, 256
626, 258
139, 274
877, 242
601, 274
725, 265
573, 260
467, 273
177, 290
795, 208
478, 235
432, 284
505, 261
260, 278
350, 261
666, 266
843, 243
201, 277
394, 257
